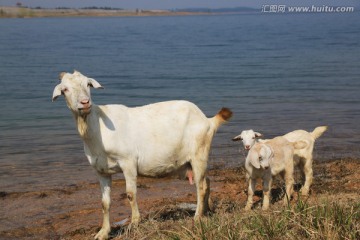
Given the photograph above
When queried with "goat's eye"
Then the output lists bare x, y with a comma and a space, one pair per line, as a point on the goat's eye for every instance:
64, 90
260, 159
241, 138
253, 137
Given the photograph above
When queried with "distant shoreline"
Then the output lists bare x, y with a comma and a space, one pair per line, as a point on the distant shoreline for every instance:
24, 12
21, 12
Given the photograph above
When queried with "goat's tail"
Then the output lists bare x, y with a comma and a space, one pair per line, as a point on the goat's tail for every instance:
221, 117
318, 131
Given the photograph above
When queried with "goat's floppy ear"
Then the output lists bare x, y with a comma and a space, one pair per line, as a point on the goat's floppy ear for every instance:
253, 159
255, 162
269, 150
93, 83
237, 138
258, 135
57, 92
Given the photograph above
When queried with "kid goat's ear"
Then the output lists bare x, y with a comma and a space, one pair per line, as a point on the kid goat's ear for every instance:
237, 138
255, 162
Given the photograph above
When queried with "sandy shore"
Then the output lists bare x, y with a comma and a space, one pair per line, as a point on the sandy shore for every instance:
21, 12
74, 212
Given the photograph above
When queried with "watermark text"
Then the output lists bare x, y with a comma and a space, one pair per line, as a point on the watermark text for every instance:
305, 9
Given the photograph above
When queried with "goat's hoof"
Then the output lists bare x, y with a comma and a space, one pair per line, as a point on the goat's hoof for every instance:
102, 234
286, 202
132, 226
265, 208
135, 221
197, 217
304, 192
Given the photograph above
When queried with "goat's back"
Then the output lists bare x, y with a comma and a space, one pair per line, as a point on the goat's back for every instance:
297, 135
301, 135
283, 152
161, 137
280, 146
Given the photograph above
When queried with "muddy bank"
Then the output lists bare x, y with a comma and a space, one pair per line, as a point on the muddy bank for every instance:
74, 212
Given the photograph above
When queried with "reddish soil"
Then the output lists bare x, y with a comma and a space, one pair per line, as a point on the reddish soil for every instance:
74, 212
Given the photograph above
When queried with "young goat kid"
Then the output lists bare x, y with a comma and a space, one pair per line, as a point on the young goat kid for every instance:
269, 159
303, 158
248, 138
152, 140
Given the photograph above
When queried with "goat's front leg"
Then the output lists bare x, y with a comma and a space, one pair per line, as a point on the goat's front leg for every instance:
251, 190
267, 181
105, 184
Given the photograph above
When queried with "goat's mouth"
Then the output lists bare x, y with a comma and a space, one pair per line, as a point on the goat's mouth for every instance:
84, 110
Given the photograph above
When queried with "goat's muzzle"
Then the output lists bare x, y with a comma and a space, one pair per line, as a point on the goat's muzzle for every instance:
85, 108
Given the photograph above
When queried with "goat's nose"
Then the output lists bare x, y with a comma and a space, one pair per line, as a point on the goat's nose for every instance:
247, 147
85, 101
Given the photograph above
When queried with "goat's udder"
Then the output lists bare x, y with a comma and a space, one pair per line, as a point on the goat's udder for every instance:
190, 175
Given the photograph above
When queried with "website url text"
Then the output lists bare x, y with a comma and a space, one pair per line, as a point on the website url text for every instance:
303, 9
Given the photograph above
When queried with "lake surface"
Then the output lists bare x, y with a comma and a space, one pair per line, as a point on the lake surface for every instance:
277, 72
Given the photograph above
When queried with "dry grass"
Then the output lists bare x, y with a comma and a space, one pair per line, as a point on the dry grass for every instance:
327, 220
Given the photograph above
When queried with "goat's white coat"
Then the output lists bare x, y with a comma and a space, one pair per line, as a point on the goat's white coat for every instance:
152, 140
269, 159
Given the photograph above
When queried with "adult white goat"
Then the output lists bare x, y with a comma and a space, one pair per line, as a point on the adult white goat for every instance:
303, 158
152, 140
269, 159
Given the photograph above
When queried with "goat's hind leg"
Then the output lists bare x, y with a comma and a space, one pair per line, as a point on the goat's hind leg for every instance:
202, 187
308, 172
130, 175
289, 184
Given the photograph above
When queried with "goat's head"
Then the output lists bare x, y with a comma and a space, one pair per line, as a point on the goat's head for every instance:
76, 90
248, 138
260, 156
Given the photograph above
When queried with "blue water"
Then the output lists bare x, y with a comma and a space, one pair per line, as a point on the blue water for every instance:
277, 73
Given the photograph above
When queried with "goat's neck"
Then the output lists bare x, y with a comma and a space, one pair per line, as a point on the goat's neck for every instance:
82, 125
